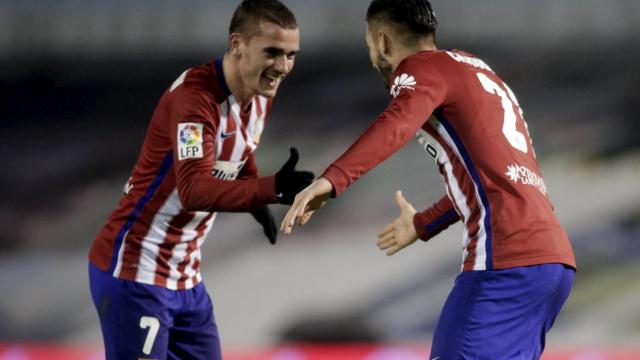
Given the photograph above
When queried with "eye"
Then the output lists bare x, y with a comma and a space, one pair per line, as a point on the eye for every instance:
272, 52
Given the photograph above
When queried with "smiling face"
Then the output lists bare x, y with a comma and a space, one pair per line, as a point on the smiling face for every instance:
265, 58
378, 60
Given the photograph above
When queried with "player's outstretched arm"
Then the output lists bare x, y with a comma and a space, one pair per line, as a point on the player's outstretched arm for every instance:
401, 232
305, 203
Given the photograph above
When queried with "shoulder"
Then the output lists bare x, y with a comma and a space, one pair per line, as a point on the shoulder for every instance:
425, 64
203, 81
193, 90
199, 84
200, 78
423, 69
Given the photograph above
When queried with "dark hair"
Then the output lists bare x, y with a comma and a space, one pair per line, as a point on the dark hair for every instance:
250, 12
417, 15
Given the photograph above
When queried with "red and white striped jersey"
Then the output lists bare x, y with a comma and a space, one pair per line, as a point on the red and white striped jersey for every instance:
469, 121
196, 159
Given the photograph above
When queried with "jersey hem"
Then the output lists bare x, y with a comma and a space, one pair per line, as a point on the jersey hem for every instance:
539, 260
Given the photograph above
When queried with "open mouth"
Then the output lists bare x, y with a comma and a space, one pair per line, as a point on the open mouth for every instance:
271, 80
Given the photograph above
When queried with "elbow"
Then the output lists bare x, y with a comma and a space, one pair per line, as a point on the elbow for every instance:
190, 206
188, 199
189, 202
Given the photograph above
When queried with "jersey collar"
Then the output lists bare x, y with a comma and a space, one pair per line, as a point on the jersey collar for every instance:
223, 82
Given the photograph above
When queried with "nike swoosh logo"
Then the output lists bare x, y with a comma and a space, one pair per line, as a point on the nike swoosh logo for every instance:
226, 135
279, 195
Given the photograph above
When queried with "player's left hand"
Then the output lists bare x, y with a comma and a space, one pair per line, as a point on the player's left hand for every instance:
400, 233
264, 216
305, 203
290, 181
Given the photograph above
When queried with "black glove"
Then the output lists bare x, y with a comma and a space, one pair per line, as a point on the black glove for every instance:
289, 182
264, 216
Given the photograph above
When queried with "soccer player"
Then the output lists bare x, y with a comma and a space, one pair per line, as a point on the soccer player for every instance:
197, 159
518, 265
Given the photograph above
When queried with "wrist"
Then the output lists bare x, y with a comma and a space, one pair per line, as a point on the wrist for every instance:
267, 190
325, 187
338, 179
418, 227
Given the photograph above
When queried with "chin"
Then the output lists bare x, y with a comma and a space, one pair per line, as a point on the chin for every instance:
269, 93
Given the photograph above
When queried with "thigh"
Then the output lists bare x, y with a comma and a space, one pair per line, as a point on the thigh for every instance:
133, 317
194, 334
497, 314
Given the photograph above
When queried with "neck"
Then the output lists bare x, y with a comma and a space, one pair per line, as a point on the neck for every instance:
234, 81
403, 52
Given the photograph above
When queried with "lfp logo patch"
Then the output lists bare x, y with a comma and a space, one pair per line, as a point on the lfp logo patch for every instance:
189, 141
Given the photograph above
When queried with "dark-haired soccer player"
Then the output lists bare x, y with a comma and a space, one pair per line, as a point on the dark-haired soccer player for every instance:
197, 158
518, 265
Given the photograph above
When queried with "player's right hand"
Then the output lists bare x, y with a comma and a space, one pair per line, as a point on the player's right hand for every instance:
290, 181
305, 203
401, 232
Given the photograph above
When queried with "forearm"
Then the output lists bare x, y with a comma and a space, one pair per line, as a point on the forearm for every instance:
435, 219
204, 192
386, 136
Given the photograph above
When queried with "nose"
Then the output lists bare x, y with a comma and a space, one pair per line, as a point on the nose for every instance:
282, 64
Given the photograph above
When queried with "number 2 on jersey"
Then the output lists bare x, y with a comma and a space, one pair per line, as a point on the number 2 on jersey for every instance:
508, 100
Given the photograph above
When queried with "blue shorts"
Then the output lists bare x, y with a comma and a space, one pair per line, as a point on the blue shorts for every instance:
142, 321
501, 314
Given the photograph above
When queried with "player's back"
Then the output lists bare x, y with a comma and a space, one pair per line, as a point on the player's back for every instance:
482, 145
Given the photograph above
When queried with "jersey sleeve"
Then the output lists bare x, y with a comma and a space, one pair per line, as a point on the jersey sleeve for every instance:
435, 219
415, 100
193, 129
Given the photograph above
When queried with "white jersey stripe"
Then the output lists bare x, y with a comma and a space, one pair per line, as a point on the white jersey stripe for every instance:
116, 271
252, 125
222, 128
189, 271
179, 251
147, 263
263, 105
177, 255
240, 144
454, 191
481, 256
154, 237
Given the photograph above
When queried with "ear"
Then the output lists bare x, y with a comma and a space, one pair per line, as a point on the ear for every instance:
235, 43
384, 43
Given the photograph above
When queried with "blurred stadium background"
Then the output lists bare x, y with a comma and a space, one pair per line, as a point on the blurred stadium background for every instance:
80, 79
